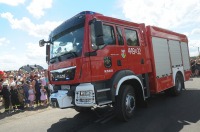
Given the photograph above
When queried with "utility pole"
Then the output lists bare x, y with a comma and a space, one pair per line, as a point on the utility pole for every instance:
198, 51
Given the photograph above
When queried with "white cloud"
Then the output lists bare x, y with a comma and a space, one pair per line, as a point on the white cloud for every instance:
13, 48
34, 51
32, 55
4, 41
25, 24
196, 31
194, 47
179, 15
9, 61
36, 7
194, 51
36, 54
12, 2
166, 14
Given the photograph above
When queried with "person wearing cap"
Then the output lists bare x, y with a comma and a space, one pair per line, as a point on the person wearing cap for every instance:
32, 76
1, 75
25, 85
20, 95
5, 77
14, 96
11, 81
6, 96
1, 82
36, 86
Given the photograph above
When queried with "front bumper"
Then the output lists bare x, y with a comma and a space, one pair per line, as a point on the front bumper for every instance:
84, 97
61, 100
87, 100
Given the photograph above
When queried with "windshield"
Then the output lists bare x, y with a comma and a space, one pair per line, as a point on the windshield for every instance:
68, 42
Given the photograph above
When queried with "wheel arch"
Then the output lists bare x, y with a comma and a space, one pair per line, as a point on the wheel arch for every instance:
126, 77
182, 77
178, 70
135, 82
175, 91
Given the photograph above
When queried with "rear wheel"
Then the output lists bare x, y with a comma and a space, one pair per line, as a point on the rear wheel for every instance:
179, 85
125, 103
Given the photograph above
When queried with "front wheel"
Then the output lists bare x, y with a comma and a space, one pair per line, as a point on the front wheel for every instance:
125, 103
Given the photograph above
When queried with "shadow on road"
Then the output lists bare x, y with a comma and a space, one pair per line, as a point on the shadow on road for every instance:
76, 123
163, 114
11, 113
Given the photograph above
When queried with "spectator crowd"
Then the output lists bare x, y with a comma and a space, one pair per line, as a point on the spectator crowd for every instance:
22, 90
195, 67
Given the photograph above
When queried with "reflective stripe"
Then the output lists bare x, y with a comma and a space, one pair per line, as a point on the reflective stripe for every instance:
129, 78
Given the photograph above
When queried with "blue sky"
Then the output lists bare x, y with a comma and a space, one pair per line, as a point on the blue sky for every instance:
24, 22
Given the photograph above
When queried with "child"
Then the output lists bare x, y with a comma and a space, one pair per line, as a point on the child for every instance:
31, 96
43, 96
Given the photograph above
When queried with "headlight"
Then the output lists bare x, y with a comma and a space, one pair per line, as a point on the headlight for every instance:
86, 93
64, 74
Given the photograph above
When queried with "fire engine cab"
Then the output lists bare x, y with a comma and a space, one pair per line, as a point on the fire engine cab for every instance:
96, 60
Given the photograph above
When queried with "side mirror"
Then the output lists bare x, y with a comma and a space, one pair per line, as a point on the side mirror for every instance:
47, 53
41, 43
99, 41
98, 28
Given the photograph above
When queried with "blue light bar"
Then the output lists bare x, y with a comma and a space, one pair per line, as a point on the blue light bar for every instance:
87, 12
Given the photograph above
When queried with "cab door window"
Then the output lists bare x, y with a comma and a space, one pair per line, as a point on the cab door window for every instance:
108, 36
131, 37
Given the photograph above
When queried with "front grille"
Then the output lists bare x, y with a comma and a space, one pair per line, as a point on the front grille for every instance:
65, 75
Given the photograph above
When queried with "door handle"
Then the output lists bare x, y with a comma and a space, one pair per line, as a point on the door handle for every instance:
142, 61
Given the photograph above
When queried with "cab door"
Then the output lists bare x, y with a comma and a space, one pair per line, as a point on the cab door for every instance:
135, 50
104, 62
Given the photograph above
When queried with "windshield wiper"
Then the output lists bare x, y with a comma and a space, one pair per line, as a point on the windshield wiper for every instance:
73, 55
53, 59
70, 52
67, 55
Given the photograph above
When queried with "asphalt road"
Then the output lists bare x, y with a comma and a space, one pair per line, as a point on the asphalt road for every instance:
163, 114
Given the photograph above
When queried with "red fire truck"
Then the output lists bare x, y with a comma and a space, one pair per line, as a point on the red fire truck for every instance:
97, 60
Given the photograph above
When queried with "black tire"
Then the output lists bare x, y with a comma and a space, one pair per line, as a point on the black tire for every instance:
177, 89
125, 103
82, 109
